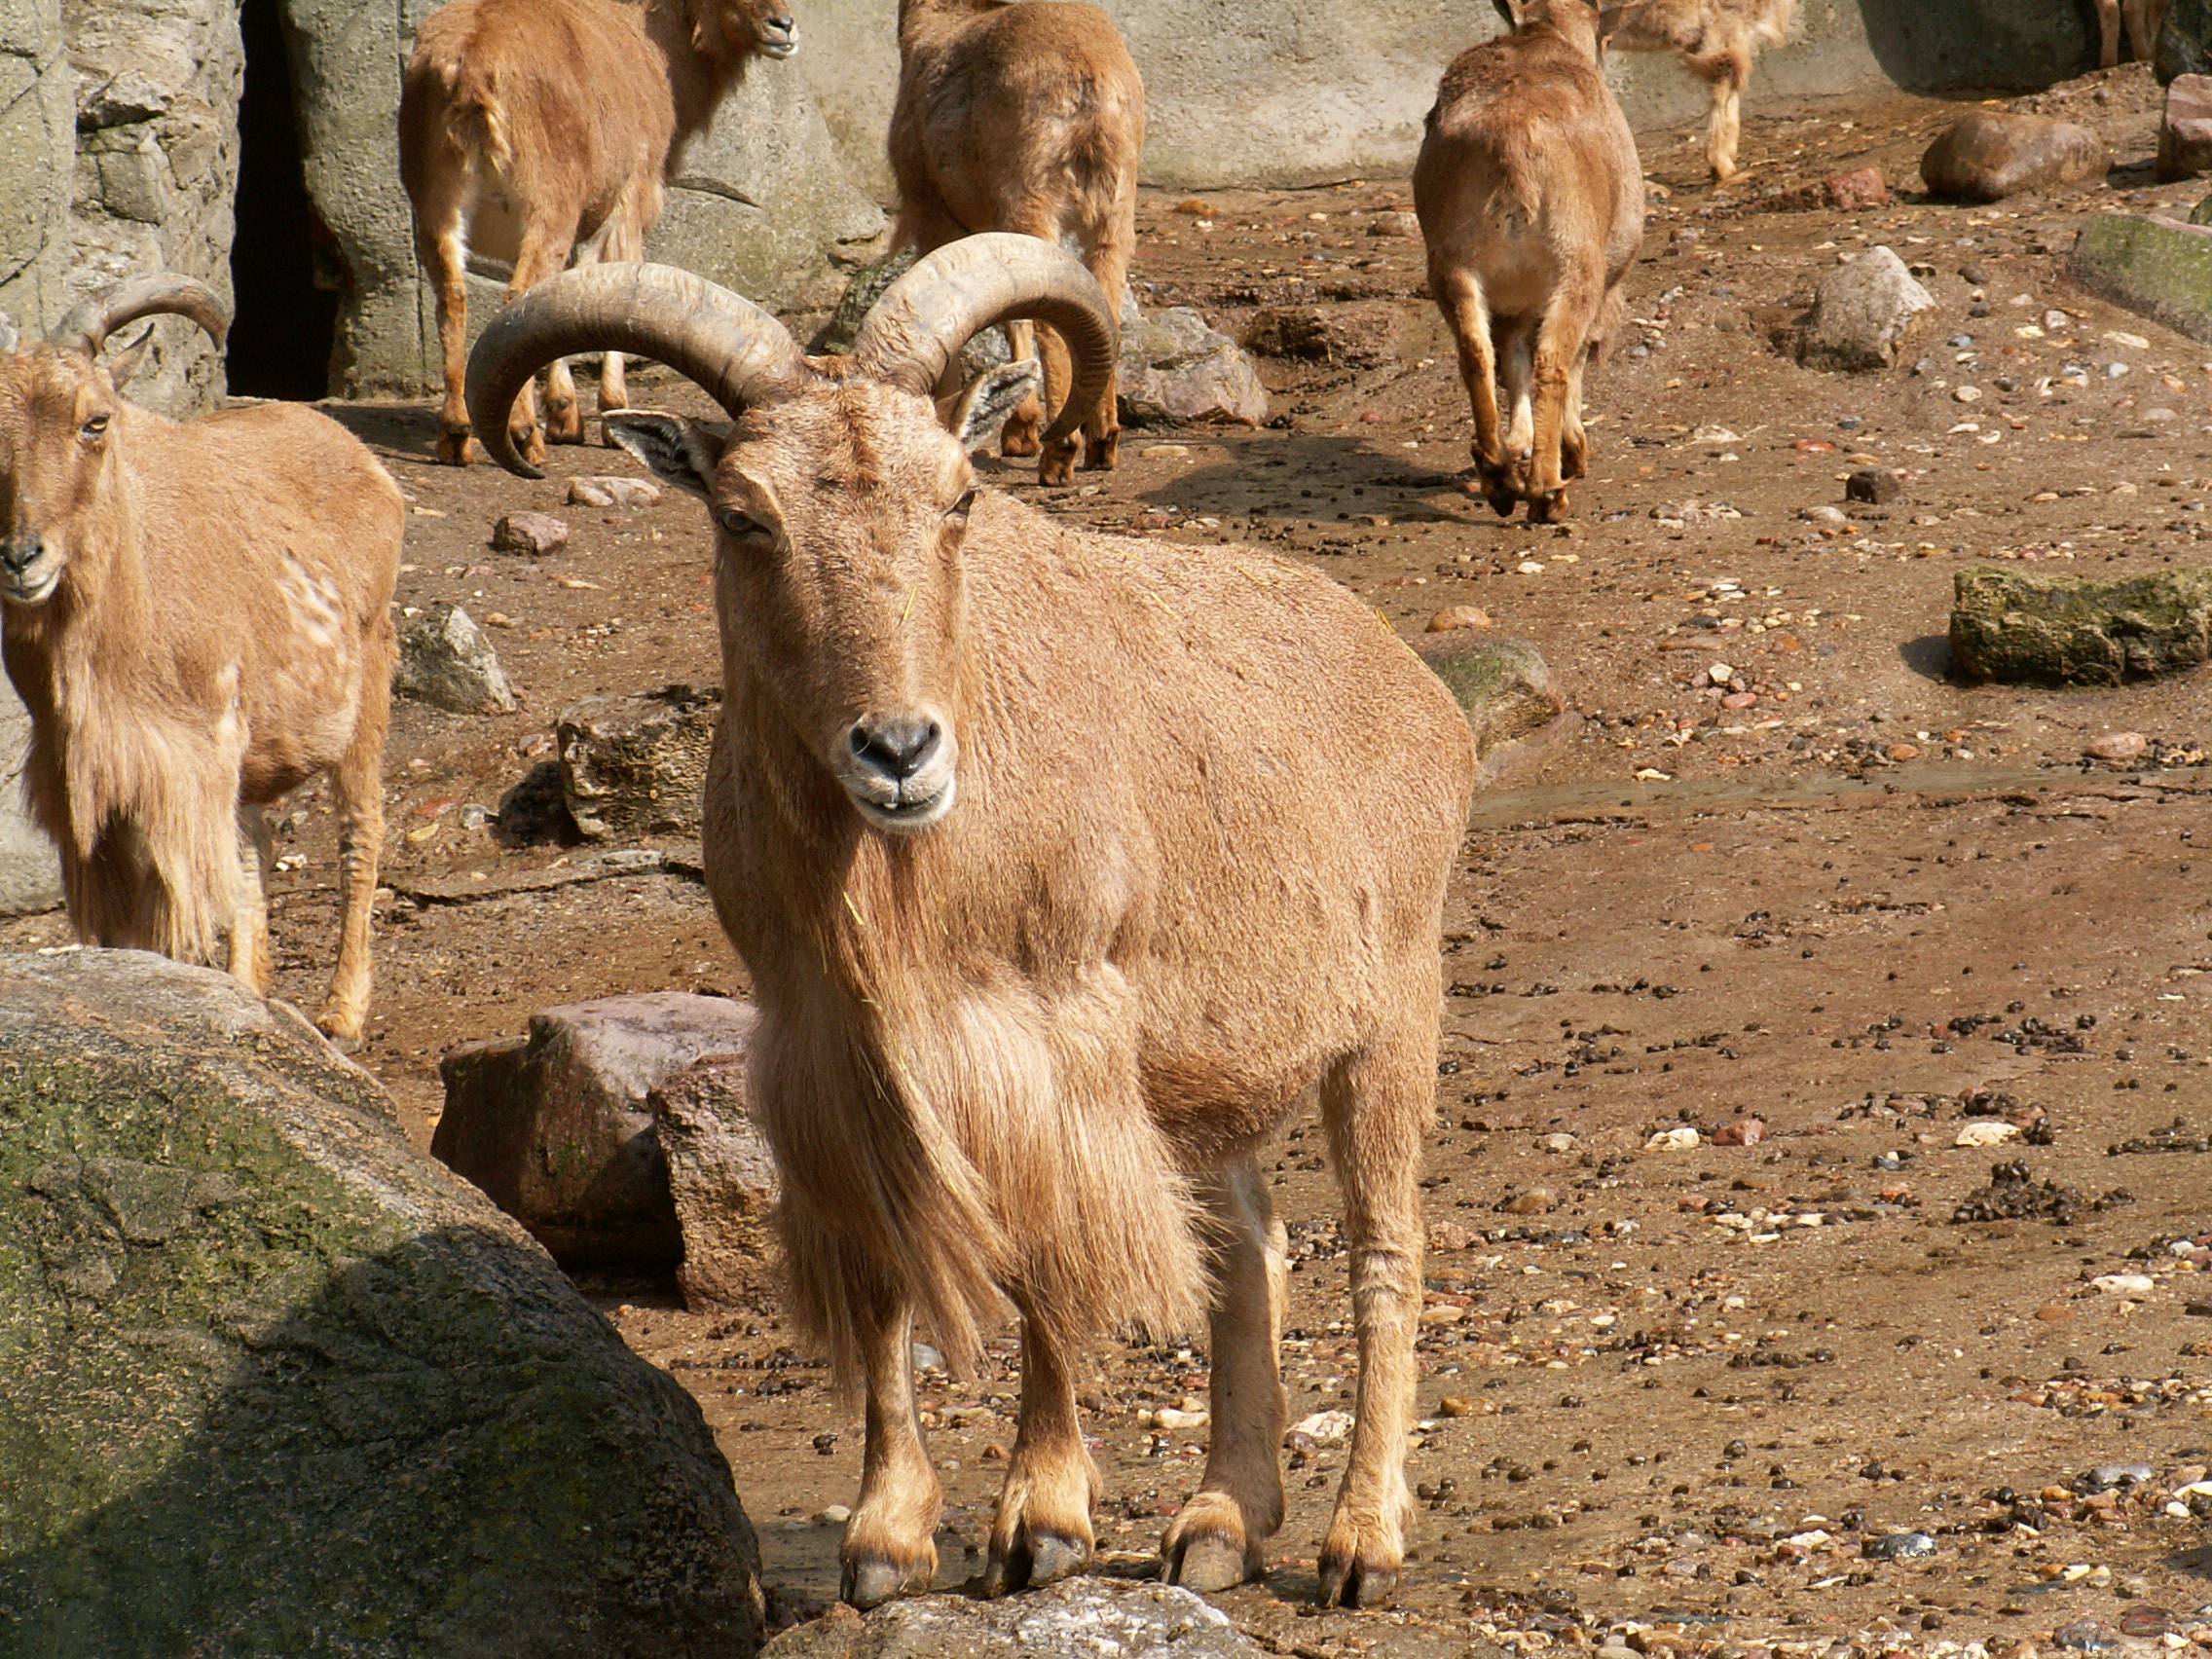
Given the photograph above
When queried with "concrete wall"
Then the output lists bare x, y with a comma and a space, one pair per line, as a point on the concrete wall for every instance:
1254, 92
31, 876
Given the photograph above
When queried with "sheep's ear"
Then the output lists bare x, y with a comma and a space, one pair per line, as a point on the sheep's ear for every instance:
1512, 10
685, 453
128, 361
977, 414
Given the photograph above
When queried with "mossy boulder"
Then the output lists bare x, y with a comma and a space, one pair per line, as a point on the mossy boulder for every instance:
2157, 267
272, 1382
2064, 631
1503, 686
1093, 1618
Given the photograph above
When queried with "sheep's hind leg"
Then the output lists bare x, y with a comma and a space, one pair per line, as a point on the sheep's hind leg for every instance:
890, 1546
444, 255
1558, 376
1376, 1105
1215, 1542
1042, 1532
1109, 262
540, 257
249, 920
1468, 314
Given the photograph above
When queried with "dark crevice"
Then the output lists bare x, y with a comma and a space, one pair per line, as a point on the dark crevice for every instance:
282, 258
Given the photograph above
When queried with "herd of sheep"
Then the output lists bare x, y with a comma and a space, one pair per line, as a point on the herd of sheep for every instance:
1065, 867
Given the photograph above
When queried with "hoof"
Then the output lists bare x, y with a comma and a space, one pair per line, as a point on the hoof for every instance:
1017, 444
563, 423
1034, 1560
1350, 1583
343, 1030
1058, 467
1209, 1564
455, 447
1103, 455
869, 1581
1549, 507
530, 443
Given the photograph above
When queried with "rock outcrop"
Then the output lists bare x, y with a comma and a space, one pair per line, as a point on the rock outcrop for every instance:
272, 1382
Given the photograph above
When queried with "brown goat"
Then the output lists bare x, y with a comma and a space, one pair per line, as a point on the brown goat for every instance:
2143, 19
530, 130
1024, 118
1066, 867
199, 618
1530, 200
1717, 40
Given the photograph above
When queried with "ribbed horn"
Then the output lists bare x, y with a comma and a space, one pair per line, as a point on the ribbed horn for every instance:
90, 322
733, 349
977, 283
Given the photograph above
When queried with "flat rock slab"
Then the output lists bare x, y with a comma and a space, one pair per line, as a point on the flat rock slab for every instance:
1993, 153
1503, 686
272, 1382
560, 1128
2156, 266
2063, 631
637, 765
1079, 1618
1863, 314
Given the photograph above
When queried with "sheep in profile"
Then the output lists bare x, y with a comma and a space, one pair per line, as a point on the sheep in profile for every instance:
1066, 867
1717, 40
1024, 118
1530, 200
197, 617
530, 130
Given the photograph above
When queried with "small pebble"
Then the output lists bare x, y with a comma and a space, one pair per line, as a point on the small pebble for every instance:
1900, 1546
2118, 747
2086, 1636
535, 534
1877, 485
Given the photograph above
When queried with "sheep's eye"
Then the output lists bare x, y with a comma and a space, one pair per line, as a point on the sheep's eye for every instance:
743, 526
95, 429
959, 508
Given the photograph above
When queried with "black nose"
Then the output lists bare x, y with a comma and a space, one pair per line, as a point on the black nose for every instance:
899, 746
16, 557
784, 25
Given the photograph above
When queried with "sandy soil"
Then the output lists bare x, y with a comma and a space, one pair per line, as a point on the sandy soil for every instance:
1672, 1392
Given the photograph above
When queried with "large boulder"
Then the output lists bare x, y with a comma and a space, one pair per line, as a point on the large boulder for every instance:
274, 1384
446, 661
559, 1128
637, 765
2184, 129
1863, 314
1994, 153
158, 84
2185, 40
2065, 631
2156, 266
1503, 686
30, 874
1078, 1619
1177, 368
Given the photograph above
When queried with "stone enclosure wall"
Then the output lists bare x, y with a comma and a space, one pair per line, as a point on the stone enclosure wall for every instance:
119, 142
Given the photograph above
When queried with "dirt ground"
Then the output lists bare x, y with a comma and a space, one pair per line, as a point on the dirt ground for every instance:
1681, 1394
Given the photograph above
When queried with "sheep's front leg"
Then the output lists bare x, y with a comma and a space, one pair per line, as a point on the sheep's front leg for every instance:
1378, 1105
889, 1544
1042, 1529
1215, 1542
249, 921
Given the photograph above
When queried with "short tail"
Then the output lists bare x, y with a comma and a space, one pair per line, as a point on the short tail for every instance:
475, 118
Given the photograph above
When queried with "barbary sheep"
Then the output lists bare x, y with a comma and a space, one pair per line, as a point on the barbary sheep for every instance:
199, 618
1530, 200
1024, 118
1065, 867
2143, 19
530, 130
1716, 41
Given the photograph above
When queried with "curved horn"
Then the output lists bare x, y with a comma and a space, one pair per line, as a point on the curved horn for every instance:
736, 351
90, 322
967, 286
